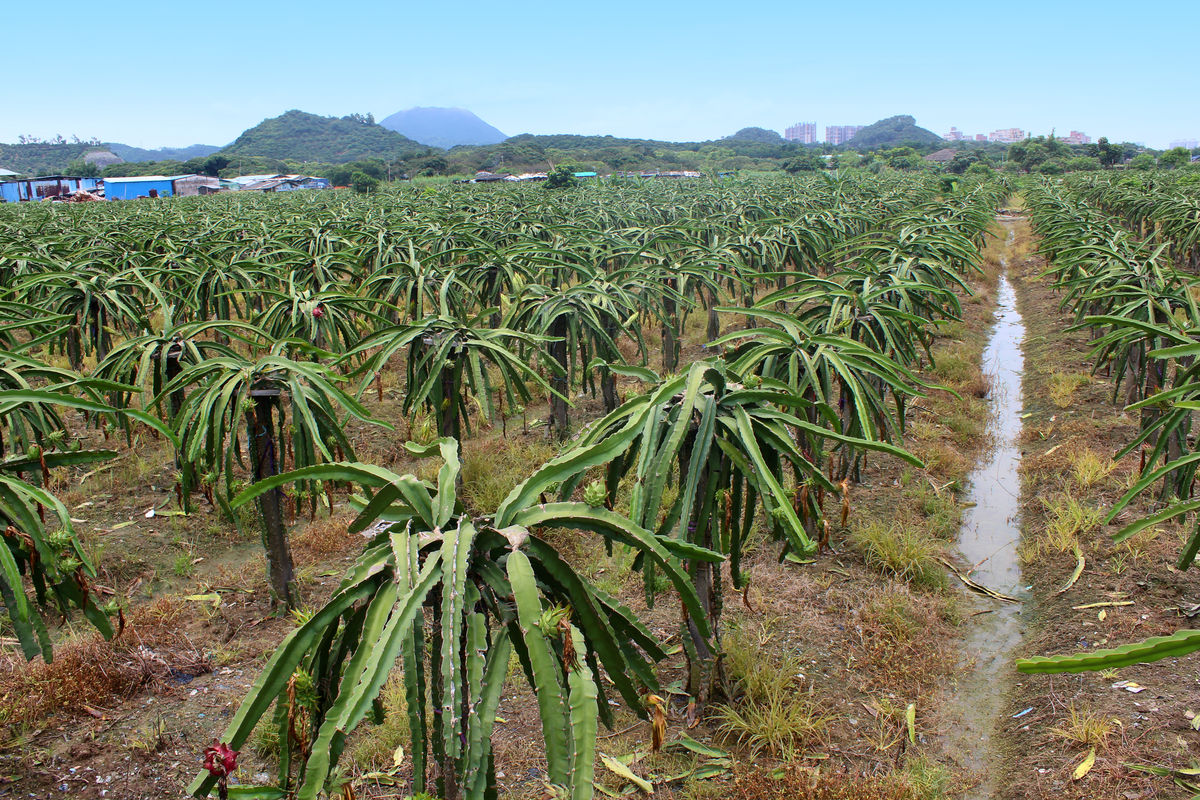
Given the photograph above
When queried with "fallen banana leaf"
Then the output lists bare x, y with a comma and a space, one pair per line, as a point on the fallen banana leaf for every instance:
1183, 778
1079, 565
702, 772
1085, 766
978, 587
688, 743
622, 771
213, 598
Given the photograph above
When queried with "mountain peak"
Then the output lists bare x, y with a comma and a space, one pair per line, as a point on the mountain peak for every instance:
309, 137
442, 127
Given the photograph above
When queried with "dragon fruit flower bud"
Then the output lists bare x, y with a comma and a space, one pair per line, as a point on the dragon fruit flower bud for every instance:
220, 759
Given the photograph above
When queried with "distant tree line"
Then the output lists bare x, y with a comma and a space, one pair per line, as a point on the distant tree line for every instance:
354, 144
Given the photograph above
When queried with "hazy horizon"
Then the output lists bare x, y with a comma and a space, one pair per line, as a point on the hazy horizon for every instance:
159, 78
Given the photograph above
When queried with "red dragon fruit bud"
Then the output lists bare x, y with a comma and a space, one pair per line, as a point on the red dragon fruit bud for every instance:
220, 759
318, 312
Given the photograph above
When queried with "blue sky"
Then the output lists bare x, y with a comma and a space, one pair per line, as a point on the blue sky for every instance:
176, 73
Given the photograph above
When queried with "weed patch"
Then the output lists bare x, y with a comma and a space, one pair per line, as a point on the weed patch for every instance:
492, 468
1063, 386
901, 551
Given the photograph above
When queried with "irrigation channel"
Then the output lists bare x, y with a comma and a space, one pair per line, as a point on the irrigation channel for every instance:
988, 544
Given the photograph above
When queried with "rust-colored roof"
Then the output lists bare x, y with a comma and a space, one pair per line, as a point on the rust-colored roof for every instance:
943, 156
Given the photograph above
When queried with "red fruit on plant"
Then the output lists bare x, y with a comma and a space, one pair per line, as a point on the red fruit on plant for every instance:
220, 759
318, 312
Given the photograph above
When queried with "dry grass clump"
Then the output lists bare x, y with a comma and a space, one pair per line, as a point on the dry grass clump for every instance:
88, 671
907, 638
957, 364
924, 781
1063, 386
1066, 519
492, 468
901, 551
773, 714
941, 514
1089, 468
1085, 727
323, 538
372, 747
941, 458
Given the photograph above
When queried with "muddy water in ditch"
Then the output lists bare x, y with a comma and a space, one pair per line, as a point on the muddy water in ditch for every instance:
988, 544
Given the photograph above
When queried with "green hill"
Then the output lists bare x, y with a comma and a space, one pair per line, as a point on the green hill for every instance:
130, 153
301, 136
759, 135
42, 158
893, 132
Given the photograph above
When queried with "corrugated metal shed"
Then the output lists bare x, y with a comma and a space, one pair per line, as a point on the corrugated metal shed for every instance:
137, 186
287, 183
246, 180
43, 188
190, 185
162, 185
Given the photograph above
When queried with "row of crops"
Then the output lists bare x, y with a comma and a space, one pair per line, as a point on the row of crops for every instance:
1123, 255
1163, 208
249, 333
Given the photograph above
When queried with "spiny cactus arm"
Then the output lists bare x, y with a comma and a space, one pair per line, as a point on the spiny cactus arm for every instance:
477, 764
331, 733
583, 709
1177, 644
456, 550
547, 673
596, 620
412, 653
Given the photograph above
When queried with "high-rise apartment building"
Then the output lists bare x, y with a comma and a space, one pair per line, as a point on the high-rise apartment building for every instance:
1006, 135
955, 135
981, 137
1190, 144
840, 134
802, 132
1078, 137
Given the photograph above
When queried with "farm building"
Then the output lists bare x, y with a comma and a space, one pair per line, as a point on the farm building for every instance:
286, 183
21, 191
278, 183
157, 186
943, 156
660, 174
